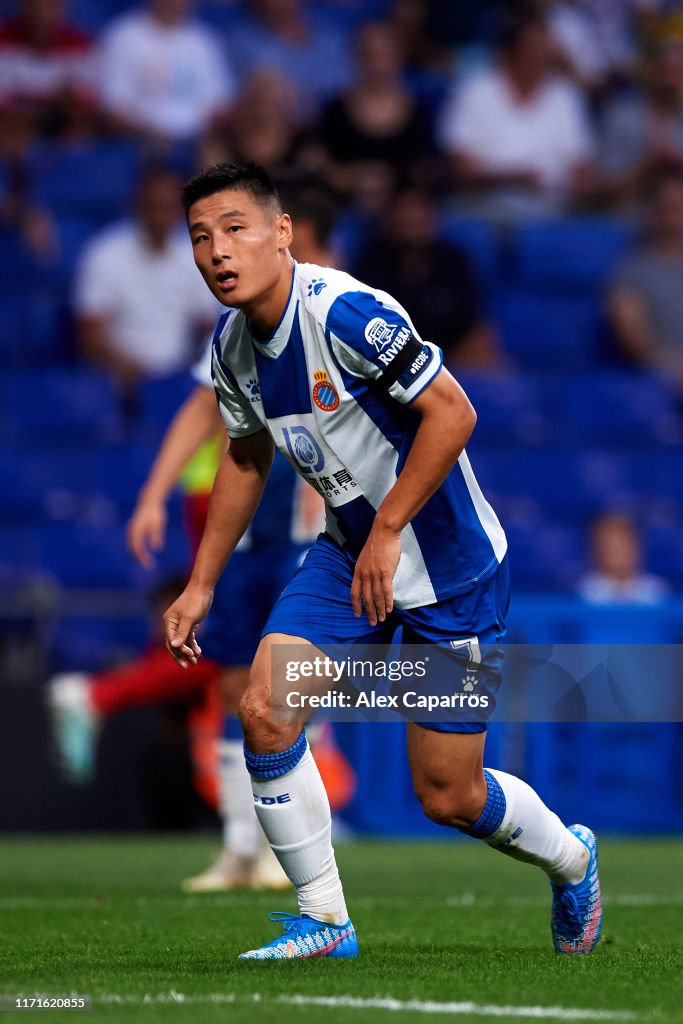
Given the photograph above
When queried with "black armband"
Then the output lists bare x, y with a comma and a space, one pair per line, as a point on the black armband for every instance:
397, 362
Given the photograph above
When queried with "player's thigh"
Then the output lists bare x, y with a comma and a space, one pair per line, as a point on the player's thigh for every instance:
448, 769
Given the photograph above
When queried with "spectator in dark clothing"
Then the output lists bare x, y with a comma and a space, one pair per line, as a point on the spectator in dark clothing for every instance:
431, 278
377, 123
262, 126
644, 132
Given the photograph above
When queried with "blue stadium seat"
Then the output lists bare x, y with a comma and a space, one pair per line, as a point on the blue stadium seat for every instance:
564, 484
509, 408
549, 332
544, 556
94, 645
93, 15
16, 554
664, 549
613, 407
83, 555
659, 473
33, 328
617, 783
73, 234
220, 15
478, 238
160, 400
17, 268
57, 405
92, 182
94, 556
569, 255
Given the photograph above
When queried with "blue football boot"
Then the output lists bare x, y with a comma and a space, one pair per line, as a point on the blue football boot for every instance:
576, 918
304, 937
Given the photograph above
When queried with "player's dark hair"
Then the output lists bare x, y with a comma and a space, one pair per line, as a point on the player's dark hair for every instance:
245, 177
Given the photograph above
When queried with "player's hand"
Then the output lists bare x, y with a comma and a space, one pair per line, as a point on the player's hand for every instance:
180, 622
372, 586
146, 531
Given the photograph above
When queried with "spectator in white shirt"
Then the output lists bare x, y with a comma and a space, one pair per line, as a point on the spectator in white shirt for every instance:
617, 576
163, 74
141, 306
517, 135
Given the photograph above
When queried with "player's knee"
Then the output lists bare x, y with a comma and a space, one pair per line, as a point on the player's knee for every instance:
261, 733
454, 806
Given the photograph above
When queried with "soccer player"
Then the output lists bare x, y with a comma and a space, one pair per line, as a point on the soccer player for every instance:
333, 373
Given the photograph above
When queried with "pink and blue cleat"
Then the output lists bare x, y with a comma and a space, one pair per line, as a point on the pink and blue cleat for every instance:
576, 918
304, 938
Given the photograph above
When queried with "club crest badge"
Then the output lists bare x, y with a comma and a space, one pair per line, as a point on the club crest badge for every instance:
325, 394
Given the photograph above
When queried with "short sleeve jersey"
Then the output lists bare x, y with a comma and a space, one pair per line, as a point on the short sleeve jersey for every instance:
334, 385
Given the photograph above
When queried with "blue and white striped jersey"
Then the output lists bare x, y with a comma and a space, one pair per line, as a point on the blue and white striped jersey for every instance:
333, 386
288, 513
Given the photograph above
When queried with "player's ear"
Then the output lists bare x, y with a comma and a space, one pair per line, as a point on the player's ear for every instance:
284, 231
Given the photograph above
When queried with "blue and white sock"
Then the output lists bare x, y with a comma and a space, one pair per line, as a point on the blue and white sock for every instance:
292, 806
517, 822
242, 833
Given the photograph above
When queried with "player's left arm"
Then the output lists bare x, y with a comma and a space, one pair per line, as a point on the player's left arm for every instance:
447, 421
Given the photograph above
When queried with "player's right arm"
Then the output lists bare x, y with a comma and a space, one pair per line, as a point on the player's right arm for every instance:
196, 421
236, 493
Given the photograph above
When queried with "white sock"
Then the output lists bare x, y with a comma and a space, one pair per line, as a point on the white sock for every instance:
242, 833
517, 822
295, 815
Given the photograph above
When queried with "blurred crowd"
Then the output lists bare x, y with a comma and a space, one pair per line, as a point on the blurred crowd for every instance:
506, 111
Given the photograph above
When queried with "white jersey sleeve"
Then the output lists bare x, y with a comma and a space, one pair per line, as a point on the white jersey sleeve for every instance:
236, 410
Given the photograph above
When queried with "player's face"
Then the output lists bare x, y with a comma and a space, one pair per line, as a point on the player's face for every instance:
238, 244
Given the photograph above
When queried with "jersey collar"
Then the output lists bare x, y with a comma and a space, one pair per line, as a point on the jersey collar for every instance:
275, 345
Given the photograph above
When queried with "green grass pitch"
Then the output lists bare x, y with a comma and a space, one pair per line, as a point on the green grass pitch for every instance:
443, 923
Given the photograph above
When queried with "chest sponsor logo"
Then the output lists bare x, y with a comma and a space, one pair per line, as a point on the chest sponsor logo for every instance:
325, 395
304, 449
323, 471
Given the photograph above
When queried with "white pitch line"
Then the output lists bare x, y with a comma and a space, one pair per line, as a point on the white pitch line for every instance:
463, 1009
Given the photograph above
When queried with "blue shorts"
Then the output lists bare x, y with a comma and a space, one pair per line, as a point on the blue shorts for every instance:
316, 606
243, 597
